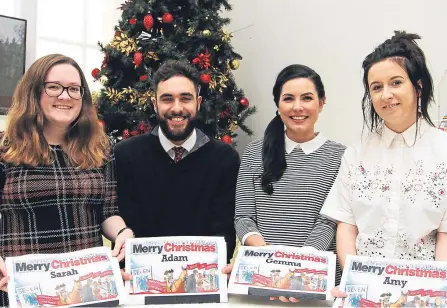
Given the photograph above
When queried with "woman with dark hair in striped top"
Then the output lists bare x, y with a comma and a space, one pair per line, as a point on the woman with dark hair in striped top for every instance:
285, 177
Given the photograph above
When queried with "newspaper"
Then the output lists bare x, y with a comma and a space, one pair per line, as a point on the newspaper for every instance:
78, 278
380, 282
167, 270
283, 271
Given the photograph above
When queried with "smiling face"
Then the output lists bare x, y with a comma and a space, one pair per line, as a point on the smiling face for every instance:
61, 110
299, 107
176, 106
393, 95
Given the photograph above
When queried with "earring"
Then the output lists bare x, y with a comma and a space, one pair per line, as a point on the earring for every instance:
419, 105
277, 113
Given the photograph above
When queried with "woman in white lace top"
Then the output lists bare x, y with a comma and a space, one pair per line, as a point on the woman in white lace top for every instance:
390, 196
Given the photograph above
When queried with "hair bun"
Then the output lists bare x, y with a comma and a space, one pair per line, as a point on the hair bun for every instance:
402, 35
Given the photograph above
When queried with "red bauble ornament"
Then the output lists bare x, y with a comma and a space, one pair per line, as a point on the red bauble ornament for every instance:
205, 78
167, 18
125, 134
143, 78
148, 21
137, 58
244, 102
132, 21
227, 139
95, 72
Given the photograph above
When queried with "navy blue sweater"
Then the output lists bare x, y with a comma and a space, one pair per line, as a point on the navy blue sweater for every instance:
195, 197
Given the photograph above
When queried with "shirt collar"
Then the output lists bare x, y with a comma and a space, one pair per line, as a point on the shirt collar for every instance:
308, 146
409, 135
168, 145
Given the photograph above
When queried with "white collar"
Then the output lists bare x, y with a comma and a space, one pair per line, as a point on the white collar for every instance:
168, 145
308, 146
409, 135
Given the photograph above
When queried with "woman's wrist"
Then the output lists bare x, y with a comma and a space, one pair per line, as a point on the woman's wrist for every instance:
124, 229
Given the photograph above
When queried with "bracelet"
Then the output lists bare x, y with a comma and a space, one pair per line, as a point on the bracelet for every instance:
122, 230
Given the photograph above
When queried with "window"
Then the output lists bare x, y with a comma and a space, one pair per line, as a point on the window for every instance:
73, 28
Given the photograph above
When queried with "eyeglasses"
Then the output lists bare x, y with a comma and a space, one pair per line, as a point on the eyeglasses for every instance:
54, 89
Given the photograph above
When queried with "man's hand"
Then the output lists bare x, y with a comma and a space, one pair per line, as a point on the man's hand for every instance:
126, 276
227, 270
337, 293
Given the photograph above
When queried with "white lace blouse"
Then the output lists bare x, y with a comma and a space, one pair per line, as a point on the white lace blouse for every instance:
393, 187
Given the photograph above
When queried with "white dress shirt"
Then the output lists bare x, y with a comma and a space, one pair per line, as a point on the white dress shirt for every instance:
393, 188
168, 145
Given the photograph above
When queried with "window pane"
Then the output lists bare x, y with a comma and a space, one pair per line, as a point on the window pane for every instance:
45, 47
61, 19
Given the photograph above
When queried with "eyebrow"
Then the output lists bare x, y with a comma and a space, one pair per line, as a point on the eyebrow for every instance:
70, 84
392, 78
307, 93
165, 95
304, 94
168, 95
288, 94
186, 94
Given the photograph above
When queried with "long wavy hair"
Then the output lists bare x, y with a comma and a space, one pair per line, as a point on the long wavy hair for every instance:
23, 142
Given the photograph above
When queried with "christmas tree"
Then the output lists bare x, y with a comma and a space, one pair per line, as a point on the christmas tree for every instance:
152, 31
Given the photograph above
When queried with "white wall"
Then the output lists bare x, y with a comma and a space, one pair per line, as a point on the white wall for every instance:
333, 38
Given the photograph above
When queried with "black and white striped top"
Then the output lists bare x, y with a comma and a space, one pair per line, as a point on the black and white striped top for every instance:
290, 216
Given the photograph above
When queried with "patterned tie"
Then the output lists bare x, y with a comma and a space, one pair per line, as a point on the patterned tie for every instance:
178, 153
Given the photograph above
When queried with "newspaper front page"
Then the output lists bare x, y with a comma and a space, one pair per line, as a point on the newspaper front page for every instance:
380, 282
283, 271
168, 270
84, 277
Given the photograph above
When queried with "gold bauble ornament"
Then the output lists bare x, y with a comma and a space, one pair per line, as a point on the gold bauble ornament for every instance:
206, 32
235, 64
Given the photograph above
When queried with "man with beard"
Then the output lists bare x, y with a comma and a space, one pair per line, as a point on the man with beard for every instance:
175, 180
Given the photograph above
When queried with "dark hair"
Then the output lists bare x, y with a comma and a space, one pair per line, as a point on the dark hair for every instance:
173, 68
273, 149
402, 49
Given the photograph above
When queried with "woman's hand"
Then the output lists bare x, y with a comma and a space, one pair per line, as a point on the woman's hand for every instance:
3, 276
120, 244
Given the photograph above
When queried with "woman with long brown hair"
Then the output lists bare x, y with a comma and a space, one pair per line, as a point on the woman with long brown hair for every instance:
56, 168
